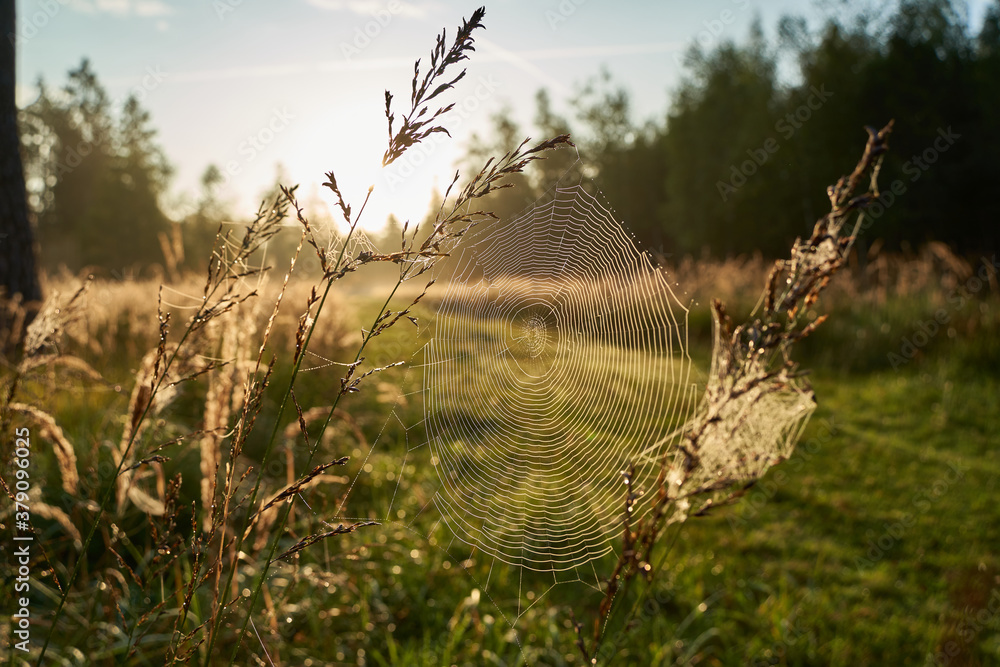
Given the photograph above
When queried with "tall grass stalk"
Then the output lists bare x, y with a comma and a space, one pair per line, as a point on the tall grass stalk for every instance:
452, 222
751, 367
215, 551
221, 276
756, 399
240, 534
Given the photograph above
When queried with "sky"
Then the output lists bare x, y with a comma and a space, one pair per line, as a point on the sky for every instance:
249, 84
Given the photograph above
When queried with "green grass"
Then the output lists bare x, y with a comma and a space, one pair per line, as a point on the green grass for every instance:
875, 544
865, 548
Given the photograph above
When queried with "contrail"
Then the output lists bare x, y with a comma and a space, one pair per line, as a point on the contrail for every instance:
492, 53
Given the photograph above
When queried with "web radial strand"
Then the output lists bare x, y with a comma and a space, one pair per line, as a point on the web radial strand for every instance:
559, 354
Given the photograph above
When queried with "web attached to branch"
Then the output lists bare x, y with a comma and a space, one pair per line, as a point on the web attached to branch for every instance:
556, 370
558, 358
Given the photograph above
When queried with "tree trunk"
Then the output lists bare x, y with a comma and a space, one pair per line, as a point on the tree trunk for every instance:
18, 274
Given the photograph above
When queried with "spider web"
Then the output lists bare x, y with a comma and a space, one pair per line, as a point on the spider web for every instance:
559, 354
557, 363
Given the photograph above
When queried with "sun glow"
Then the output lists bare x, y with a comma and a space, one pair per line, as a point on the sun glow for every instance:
404, 189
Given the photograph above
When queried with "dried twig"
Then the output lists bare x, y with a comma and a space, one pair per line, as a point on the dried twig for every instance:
756, 400
313, 539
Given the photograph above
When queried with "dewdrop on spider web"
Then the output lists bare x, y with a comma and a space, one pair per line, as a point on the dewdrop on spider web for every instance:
558, 359
559, 354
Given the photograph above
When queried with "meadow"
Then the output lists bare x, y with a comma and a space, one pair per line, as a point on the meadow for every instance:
249, 467
875, 543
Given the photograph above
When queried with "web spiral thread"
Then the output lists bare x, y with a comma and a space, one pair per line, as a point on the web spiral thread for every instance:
559, 356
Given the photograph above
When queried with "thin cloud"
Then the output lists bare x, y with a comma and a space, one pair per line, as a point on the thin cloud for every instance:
604, 51
152, 8
369, 7
491, 53
497, 52
143, 8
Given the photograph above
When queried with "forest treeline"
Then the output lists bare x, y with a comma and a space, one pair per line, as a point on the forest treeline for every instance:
743, 157
739, 162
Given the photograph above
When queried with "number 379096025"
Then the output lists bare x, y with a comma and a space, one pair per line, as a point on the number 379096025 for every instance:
22, 460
